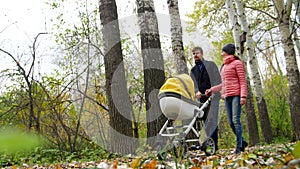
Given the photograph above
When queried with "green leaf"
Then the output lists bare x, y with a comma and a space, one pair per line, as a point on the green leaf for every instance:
252, 156
296, 151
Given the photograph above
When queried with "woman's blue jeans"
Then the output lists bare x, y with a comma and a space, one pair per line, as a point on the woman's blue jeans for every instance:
233, 109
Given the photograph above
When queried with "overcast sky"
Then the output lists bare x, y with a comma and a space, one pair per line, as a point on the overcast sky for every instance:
31, 16
22, 20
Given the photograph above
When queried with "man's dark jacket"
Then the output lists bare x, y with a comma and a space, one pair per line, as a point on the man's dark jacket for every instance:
205, 77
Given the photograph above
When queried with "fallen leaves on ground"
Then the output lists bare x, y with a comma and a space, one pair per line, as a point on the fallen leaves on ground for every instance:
270, 156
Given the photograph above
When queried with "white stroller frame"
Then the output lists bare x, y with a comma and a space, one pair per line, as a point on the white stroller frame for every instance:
175, 108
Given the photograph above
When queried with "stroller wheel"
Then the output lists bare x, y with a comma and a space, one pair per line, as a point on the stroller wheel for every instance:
181, 150
209, 147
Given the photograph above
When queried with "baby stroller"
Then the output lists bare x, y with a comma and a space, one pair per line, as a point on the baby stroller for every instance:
177, 102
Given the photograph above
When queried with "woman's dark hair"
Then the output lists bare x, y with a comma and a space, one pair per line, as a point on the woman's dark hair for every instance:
236, 58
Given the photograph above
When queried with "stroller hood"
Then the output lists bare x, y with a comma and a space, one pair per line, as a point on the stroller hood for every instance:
181, 84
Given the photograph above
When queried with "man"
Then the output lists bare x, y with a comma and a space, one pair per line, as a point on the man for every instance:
205, 74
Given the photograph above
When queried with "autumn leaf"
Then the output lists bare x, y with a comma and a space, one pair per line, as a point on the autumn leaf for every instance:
195, 168
58, 167
136, 163
288, 157
114, 165
151, 165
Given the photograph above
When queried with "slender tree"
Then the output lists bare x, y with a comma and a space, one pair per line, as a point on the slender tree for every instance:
120, 110
253, 64
34, 120
283, 10
297, 7
176, 37
251, 118
153, 64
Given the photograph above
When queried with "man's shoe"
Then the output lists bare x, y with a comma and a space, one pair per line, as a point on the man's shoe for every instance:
244, 145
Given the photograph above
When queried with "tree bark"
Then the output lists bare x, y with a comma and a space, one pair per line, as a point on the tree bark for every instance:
297, 7
176, 37
153, 64
251, 117
283, 11
120, 109
253, 64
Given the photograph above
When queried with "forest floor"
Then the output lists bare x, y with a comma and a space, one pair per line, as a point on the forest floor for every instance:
267, 156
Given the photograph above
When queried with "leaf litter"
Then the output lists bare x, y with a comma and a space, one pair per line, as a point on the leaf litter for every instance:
281, 156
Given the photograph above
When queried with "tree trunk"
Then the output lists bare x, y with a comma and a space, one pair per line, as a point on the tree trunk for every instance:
153, 63
253, 63
283, 19
251, 117
176, 37
120, 109
297, 7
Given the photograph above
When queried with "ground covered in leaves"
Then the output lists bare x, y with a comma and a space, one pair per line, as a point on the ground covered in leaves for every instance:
269, 156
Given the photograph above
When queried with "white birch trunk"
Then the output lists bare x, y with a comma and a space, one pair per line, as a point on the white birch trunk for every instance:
254, 67
297, 7
235, 26
251, 117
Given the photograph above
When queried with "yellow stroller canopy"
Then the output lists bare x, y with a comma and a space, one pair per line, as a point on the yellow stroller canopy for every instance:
181, 84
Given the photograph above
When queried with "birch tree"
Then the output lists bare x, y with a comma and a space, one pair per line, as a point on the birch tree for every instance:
251, 118
153, 64
297, 7
253, 64
176, 37
296, 25
283, 10
120, 108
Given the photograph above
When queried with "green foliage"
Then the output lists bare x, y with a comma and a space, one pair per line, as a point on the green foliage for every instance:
14, 140
210, 18
296, 151
42, 155
276, 94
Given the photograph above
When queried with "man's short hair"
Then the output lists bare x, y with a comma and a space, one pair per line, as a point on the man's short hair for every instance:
197, 48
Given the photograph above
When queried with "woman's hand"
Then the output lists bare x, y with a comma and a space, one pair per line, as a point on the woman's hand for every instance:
208, 92
243, 100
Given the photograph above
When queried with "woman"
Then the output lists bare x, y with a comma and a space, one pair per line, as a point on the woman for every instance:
234, 91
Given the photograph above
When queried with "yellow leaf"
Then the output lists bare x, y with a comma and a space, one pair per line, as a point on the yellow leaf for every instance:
58, 167
195, 168
228, 161
136, 163
14, 167
288, 157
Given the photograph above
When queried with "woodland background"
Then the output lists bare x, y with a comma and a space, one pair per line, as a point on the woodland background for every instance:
101, 94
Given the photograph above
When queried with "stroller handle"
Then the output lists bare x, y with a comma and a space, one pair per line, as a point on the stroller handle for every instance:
204, 95
208, 96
